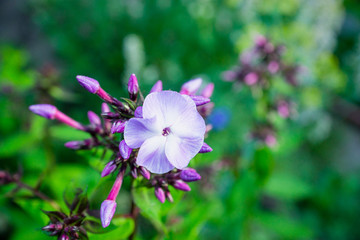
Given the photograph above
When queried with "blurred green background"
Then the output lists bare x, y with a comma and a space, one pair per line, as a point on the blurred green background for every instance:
307, 187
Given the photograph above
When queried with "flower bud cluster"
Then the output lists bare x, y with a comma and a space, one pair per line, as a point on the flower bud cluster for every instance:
258, 69
108, 133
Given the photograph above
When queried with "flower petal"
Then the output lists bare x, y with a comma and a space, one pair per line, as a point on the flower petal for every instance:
189, 124
137, 130
152, 155
167, 106
179, 151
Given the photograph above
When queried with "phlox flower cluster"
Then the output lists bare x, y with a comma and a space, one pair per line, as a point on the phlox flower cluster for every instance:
152, 137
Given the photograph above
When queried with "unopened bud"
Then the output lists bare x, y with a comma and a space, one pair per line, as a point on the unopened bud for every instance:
251, 78
144, 172
160, 194
133, 87
64, 236
191, 87
199, 100
158, 86
88, 83
208, 90
108, 169
169, 196
189, 175
45, 110
133, 172
181, 186
118, 127
107, 211
205, 148
125, 150
94, 118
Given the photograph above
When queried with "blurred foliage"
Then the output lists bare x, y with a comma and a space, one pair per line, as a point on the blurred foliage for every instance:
307, 187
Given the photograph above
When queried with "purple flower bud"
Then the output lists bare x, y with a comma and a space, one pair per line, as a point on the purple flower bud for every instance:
273, 67
160, 194
270, 140
189, 175
208, 90
45, 110
181, 186
133, 87
251, 78
108, 169
158, 86
260, 41
107, 211
125, 150
200, 100
94, 118
118, 127
105, 108
205, 148
143, 171
76, 145
133, 172
88, 83
64, 236
168, 196
138, 112
191, 87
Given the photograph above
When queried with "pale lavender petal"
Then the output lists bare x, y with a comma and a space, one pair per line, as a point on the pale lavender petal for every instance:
137, 130
189, 124
167, 106
191, 87
152, 155
179, 151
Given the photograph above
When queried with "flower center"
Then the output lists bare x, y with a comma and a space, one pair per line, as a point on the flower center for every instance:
165, 131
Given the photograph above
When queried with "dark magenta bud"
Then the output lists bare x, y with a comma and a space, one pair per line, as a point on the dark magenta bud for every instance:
108, 169
143, 171
118, 127
94, 118
133, 87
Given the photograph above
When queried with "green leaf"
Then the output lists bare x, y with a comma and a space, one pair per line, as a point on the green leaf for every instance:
263, 164
123, 227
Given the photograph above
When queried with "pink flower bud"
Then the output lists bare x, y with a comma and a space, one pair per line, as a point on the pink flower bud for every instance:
108, 169
208, 90
94, 118
191, 87
205, 148
133, 87
273, 67
251, 78
118, 127
189, 175
45, 110
143, 171
158, 86
125, 150
199, 100
107, 211
169, 196
160, 194
181, 186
